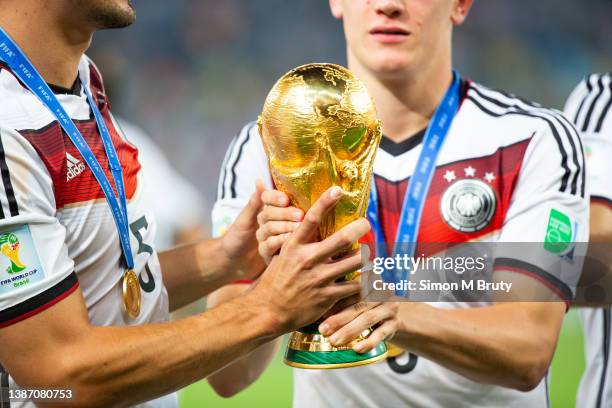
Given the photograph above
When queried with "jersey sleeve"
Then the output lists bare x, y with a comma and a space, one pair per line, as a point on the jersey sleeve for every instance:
547, 218
35, 269
245, 162
590, 108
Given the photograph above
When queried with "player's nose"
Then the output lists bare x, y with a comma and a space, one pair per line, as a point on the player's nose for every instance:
389, 8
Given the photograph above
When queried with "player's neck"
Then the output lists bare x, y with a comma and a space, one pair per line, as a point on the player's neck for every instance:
406, 103
53, 47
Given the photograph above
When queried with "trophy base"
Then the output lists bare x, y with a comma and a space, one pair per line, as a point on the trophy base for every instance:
309, 349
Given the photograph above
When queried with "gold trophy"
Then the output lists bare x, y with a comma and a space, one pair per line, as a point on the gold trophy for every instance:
319, 129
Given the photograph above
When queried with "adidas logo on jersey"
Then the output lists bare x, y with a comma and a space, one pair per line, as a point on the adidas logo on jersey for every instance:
75, 166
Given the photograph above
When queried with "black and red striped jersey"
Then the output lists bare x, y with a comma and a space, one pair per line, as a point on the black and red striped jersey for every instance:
509, 171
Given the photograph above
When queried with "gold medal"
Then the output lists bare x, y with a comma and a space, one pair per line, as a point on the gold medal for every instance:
131, 294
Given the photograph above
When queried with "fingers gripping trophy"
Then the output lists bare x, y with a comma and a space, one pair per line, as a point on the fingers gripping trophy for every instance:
319, 129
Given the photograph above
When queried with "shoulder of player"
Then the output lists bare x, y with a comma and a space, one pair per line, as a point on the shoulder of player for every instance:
23, 164
590, 103
14, 145
252, 129
14, 107
549, 131
18, 139
246, 141
592, 84
20, 132
20, 110
524, 113
245, 158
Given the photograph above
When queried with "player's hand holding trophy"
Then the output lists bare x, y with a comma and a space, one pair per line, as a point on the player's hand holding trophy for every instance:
319, 129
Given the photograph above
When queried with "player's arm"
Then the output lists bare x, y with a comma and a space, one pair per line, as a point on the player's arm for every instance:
245, 165
59, 348
192, 271
601, 220
106, 366
509, 344
244, 371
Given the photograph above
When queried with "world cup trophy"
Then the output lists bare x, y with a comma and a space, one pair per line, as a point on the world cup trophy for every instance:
319, 129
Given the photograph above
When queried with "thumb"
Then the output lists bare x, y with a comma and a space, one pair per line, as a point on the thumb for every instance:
248, 216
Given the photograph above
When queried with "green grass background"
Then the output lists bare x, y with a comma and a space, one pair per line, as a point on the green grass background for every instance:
273, 389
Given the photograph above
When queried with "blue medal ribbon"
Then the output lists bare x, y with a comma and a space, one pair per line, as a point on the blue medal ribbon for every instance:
420, 181
12, 55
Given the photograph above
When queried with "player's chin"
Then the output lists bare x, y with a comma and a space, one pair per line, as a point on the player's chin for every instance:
115, 14
390, 62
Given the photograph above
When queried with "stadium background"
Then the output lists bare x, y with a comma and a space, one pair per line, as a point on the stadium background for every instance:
193, 72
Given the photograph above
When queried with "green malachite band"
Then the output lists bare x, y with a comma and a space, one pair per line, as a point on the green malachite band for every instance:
333, 359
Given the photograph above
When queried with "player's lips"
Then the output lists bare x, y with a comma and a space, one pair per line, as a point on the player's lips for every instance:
389, 34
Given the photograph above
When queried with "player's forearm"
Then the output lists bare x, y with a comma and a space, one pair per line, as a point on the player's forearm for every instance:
136, 364
243, 372
246, 370
596, 277
510, 344
192, 271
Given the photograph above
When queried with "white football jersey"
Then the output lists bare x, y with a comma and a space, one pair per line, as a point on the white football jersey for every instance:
56, 228
590, 107
528, 158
